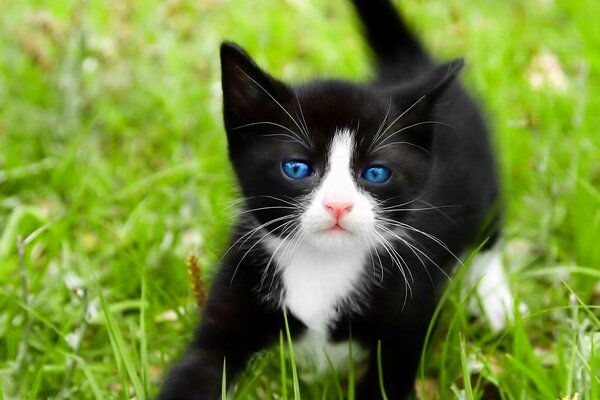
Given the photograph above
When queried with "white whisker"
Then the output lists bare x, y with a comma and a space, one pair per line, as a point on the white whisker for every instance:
272, 98
375, 142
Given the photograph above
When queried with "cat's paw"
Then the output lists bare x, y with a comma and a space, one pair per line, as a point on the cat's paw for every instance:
494, 296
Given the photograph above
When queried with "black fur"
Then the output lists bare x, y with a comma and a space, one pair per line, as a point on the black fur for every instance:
448, 162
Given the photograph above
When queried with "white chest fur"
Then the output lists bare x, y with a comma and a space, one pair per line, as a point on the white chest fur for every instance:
315, 282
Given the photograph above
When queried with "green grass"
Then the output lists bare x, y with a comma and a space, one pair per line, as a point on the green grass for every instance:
113, 168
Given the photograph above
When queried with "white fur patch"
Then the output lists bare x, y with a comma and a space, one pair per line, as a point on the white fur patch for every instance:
323, 267
487, 272
315, 351
315, 282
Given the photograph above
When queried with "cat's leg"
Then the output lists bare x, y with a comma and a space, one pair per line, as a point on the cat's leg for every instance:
235, 325
398, 369
487, 274
400, 330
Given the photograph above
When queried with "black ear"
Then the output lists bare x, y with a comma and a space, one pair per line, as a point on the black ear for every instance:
424, 91
248, 92
419, 98
442, 76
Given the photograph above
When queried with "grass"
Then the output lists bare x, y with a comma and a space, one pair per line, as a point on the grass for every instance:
113, 168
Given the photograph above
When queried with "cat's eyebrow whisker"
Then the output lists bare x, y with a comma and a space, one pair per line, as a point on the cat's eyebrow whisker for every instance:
306, 131
412, 126
383, 146
387, 113
297, 138
272, 98
375, 141
292, 140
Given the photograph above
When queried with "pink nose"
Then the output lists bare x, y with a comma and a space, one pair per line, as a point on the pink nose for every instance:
338, 208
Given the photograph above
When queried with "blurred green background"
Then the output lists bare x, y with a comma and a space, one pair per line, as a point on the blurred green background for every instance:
113, 168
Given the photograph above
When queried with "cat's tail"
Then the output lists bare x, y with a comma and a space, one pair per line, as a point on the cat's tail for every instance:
394, 45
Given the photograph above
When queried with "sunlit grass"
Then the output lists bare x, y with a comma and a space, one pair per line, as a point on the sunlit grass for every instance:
113, 168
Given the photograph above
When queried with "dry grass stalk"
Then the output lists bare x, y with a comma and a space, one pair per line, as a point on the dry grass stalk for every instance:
193, 266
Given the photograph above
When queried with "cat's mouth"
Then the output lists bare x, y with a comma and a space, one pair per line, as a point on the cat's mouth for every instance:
336, 228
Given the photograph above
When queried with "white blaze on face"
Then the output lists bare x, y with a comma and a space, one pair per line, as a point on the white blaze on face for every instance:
338, 200
323, 266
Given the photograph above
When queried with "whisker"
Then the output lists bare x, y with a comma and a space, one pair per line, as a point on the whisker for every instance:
266, 208
438, 209
387, 113
295, 241
412, 126
377, 254
250, 233
283, 241
393, 209
428, 235
408, 127
253, 246
306, 131
295, 136
396, 259
415, 249
383, 146
374, 143
272, 98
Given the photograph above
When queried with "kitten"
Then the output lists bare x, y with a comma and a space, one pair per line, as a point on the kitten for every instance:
358, 198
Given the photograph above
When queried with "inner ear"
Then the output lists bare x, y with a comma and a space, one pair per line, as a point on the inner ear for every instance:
248, 91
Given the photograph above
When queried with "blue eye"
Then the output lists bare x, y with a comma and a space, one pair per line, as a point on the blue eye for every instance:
296, 169
377, 174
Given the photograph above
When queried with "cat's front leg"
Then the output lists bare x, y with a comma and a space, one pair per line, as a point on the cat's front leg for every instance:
235, 325
399, 335
196, 376
398, 366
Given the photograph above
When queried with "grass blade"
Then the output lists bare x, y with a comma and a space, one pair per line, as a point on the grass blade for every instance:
380, 372
465, 368
284, 394
224, 381
292, 360
120, 349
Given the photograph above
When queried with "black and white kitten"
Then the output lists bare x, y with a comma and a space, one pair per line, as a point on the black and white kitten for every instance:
358, 197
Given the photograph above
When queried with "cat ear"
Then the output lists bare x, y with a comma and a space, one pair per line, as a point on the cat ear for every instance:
431, 85
248, 92
420, 97
443, 75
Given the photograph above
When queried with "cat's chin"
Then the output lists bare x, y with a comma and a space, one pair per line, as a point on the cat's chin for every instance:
334, 239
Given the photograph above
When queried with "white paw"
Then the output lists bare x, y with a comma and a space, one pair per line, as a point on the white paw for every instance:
494, 294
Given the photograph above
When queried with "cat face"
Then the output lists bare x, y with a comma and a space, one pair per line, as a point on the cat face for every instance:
329, 163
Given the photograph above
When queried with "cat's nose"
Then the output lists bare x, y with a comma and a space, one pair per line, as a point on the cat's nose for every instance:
338, 208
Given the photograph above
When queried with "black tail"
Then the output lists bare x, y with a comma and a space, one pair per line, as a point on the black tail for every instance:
394, 45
